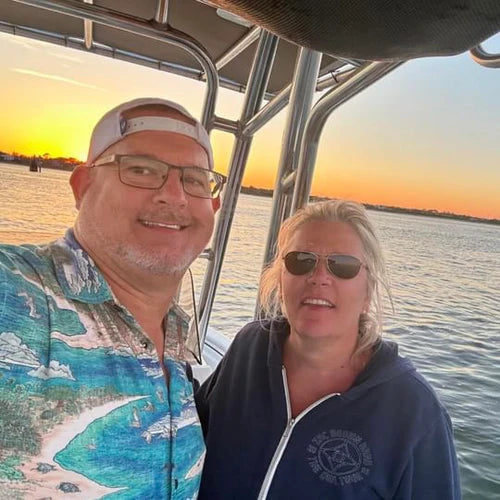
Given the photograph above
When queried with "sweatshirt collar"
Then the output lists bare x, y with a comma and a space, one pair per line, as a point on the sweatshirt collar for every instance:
384, 365
279, 329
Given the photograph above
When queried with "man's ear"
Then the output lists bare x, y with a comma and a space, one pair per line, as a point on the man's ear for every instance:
80, 181
216, 203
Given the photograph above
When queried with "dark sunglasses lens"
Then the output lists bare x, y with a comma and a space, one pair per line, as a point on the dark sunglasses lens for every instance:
344, 266
299, 263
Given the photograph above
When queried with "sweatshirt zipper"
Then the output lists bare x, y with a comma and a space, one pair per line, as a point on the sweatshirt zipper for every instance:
266, 484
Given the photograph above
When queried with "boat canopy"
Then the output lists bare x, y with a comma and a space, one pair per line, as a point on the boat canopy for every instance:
373, 30
214, 32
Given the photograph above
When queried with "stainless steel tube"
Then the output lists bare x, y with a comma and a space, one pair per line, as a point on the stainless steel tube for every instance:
484, 58
161, 15
303, 87
275, 105
88, 30
360, 80
257, 83
271, 109
238, 47
226, 125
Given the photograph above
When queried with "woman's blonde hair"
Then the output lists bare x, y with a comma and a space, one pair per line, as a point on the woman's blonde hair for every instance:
354, 214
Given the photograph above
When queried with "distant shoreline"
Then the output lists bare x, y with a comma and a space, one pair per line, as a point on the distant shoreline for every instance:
384, 208
268, 193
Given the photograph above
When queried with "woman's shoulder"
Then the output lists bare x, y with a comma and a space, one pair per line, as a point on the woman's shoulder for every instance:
423, 389
259, 339
261, 330
415, 390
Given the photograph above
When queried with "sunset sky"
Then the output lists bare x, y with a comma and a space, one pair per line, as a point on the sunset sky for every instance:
426, 136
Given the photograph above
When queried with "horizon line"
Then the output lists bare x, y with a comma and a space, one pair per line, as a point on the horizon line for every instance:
269, 191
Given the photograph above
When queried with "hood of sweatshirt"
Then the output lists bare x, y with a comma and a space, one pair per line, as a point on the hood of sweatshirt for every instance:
384, 365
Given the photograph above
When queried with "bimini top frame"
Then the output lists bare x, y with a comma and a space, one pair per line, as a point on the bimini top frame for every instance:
276, 70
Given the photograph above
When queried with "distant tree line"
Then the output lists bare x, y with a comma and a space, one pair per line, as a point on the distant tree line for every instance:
45, 160
383, 208
69, 164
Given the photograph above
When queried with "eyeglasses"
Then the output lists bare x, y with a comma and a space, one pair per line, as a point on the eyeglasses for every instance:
342, 266
149, 173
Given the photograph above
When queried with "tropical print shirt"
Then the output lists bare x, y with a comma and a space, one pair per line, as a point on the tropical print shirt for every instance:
85, 408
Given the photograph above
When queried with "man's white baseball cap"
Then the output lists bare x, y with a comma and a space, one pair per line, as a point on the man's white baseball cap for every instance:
113, 126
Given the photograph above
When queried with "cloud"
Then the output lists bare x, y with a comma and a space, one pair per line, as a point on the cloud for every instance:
37, 45
24, 42
57, 78
66, 57
122, 351
54, 370
14, 352
153, 372
30, 303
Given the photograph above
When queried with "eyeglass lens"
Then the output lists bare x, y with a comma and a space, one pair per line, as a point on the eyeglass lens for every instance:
148, 173
342, 266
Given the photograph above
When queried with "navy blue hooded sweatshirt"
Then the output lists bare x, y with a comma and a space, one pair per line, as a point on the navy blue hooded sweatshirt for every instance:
388, 436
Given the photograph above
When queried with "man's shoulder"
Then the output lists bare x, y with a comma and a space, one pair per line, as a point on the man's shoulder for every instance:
25, 260
14, 253
27, 273
61, 266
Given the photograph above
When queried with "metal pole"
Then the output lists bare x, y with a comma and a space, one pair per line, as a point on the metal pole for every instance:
88, 30
334, 78
257, 83
484, 58
274, 106
226, 125
361, 79
271, 109
161, 15
238, 47
139, 26
303, 87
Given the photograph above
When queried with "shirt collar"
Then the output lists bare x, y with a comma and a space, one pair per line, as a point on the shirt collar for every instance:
81, 280
76, 272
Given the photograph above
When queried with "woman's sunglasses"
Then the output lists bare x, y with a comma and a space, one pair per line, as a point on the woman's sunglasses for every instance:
342, 266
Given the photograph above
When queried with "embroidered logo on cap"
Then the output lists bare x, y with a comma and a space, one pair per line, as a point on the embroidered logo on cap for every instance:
123, 125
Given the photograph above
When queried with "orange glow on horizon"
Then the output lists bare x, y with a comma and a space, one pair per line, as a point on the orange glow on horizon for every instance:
372, 190
460, 201
44, 131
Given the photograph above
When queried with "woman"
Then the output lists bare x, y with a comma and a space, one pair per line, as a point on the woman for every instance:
313, 404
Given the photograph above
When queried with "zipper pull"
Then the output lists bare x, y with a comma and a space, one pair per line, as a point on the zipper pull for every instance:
288, 428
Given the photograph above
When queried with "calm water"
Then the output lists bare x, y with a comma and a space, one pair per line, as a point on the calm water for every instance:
445, 281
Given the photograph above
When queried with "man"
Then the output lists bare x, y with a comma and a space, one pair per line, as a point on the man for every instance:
94, 394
